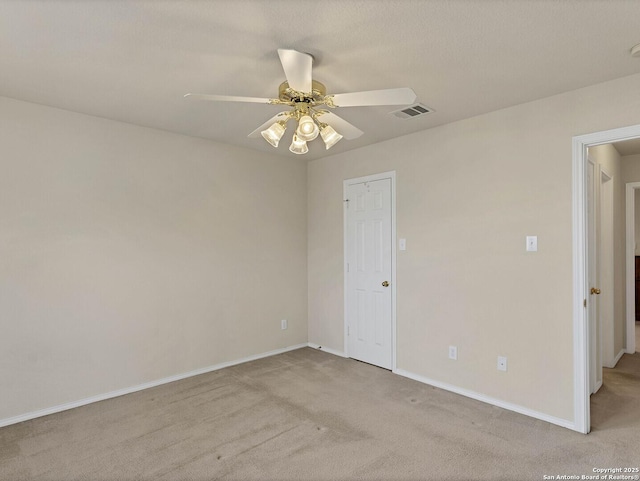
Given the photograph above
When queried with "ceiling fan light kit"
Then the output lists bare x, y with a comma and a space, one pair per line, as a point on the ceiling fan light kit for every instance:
298, 146
274, 133
307, 128
330, 136
305, 96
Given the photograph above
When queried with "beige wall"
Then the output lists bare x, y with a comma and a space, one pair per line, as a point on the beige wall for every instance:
608, 159
467, 195
131, 254
631, 168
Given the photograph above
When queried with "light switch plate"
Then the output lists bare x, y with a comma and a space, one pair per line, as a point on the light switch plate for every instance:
453, 353
532, 243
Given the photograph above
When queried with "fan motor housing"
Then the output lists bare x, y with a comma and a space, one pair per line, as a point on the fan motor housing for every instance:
317, 94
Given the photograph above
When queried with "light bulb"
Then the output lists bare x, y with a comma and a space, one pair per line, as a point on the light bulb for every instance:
274, 133
330, 136
298, 146
307, 128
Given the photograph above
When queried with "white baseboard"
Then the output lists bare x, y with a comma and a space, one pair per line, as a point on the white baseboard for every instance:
327, 349
121, 392
489, 400
620, 354
615, 360
597, 387
470, 394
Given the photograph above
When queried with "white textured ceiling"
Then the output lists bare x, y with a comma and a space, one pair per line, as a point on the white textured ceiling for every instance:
132, 61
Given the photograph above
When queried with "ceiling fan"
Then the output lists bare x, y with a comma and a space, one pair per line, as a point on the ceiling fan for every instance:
309, 102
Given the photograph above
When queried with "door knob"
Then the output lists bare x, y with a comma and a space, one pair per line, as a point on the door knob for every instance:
595, 290
386, 284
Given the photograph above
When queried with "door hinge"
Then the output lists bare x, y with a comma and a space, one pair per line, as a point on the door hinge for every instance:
584, 303
346, 202
348, 330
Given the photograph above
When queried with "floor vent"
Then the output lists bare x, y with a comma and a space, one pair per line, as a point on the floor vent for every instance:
416, 110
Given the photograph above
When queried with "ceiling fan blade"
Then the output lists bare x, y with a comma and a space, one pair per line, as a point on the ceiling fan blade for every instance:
297, 68
401, 96
343, 127
268, 123
227, 98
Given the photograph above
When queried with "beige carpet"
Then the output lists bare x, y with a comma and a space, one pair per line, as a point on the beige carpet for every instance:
310, 415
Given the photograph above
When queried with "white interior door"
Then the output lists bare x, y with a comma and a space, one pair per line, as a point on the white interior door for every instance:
605, 271
368, 276
595, 358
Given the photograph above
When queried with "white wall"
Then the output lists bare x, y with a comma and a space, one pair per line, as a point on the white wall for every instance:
128, 255
467, 195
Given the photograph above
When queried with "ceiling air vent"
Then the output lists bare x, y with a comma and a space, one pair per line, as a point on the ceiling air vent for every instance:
416, 110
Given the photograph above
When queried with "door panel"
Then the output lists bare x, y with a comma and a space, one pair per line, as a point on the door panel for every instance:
595, 357
368, 251
605, 268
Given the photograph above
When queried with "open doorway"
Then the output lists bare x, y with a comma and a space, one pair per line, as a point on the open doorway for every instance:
603, 330
633, 257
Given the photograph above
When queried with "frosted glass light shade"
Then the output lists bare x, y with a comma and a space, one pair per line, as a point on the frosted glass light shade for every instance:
274, 133
307, 128
330, 136
298, 146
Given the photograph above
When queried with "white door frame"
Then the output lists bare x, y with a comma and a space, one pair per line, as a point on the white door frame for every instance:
632, 189
359, 180
582, 417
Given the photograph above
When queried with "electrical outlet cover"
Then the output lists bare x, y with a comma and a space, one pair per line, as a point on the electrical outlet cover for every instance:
502, 363
453, 353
